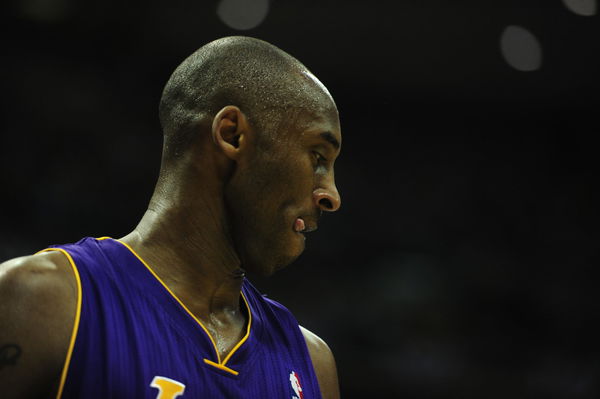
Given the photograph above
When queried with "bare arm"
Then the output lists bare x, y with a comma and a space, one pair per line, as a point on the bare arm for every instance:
38, 297
324, 364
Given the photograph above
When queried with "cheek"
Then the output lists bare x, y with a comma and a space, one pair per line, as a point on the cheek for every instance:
274, 187
281, 179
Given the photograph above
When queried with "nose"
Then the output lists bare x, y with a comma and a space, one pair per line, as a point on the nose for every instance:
328, 198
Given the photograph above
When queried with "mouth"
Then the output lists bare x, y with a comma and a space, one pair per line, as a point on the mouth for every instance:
302, 227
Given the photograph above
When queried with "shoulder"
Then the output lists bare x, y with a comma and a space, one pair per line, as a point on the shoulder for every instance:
38, 274
321, 356
38, 300
323, 363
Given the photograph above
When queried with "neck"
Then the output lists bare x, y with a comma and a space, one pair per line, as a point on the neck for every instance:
185, 241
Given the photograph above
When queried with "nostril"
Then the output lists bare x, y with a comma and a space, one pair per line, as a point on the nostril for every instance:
326, 203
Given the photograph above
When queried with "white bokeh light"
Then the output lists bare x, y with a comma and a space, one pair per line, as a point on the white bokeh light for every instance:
521, 49
243, 14
586, 8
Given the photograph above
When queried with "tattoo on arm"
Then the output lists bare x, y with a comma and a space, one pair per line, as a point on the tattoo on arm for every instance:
9, 354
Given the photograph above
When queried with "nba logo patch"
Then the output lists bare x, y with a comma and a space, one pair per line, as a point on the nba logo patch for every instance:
296, 386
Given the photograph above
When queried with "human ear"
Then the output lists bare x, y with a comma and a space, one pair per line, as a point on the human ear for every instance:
229, 129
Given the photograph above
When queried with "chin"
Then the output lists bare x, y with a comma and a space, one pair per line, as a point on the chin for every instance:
268, 258
267, 266
294, 250
283, 262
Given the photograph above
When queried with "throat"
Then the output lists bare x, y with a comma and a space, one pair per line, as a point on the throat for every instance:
227, 329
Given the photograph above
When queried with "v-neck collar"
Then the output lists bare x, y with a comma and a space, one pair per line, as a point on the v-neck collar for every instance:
237, 354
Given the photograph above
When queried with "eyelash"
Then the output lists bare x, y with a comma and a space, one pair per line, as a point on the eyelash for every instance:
319, 158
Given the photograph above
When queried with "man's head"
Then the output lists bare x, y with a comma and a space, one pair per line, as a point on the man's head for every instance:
270, 129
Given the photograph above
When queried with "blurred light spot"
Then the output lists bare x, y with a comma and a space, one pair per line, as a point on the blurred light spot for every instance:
243, 14
587, 8
521, 49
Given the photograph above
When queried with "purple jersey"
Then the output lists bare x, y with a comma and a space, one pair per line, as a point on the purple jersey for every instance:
133, 338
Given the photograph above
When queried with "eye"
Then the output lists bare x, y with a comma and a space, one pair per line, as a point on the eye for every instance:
318, 157
319, 160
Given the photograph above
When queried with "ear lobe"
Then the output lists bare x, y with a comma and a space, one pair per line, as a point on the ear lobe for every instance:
228, 130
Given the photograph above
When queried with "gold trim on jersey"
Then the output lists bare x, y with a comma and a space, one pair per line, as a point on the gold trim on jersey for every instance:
63, 375
220, 364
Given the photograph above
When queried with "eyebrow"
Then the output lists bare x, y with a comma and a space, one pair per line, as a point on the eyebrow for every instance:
330, 138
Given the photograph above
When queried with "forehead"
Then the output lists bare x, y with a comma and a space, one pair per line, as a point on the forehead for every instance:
323, 127
318, 109
310, 112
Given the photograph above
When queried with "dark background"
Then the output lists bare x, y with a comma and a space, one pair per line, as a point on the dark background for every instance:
463, 260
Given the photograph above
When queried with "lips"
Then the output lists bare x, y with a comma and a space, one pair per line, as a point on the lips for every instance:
301, 226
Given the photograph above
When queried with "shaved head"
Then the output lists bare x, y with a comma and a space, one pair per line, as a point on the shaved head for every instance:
267, 84
250, 141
